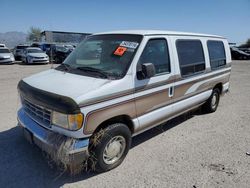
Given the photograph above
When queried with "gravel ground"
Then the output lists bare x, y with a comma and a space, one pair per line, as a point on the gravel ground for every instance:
193, 150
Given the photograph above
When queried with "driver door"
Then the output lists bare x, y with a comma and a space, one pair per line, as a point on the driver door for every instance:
153, 95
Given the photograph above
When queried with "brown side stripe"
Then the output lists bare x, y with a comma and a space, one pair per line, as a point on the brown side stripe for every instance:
144, 88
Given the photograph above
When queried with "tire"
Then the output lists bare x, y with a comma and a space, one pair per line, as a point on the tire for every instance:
57, 60
109, 147
26, 61
212, 103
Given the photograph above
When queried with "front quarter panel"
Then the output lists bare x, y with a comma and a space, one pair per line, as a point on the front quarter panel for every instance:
111, 100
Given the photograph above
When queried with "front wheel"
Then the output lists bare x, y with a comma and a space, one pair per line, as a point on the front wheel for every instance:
26, 61
109, 147
213, 101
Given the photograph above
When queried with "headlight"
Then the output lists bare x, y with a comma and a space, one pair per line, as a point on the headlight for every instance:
67, 121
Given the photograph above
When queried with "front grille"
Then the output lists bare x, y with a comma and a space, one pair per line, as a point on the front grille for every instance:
37, 113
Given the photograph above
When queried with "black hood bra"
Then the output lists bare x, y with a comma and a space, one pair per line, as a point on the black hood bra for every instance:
48, 100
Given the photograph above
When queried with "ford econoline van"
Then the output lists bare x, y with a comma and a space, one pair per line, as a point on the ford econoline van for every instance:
115, 85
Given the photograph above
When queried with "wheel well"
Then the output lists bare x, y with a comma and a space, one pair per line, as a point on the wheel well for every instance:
219, 86
117, 119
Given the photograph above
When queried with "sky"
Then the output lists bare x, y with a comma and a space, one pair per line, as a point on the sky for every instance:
228, 18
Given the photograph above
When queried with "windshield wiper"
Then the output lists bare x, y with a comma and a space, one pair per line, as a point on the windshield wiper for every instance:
94, 70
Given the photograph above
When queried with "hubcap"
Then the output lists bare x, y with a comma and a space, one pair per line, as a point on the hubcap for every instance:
214, 101
114, 149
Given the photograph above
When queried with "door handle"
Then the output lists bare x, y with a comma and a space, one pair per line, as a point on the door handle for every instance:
171, 91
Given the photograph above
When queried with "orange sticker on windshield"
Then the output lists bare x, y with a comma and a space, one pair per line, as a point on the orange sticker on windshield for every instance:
120, 51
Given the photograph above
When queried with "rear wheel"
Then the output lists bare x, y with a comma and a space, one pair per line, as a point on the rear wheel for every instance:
109, 147
212, 103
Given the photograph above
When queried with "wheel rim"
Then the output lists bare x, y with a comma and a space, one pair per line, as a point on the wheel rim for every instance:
114, 149
214, 100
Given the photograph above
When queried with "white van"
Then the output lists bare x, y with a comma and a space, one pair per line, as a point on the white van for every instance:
115, 85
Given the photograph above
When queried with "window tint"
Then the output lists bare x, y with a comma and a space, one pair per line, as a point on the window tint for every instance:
156, 52
191, 57
216, 54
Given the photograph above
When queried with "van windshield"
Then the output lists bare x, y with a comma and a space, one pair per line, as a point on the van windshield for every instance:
107, 56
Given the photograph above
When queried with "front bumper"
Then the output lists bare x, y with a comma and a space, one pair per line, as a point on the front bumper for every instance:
7, 60
38, 60
69, 151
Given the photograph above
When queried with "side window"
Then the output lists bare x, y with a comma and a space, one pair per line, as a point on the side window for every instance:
156, 52
191, 57
217, 54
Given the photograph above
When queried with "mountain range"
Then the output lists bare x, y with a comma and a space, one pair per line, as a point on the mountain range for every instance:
13, 38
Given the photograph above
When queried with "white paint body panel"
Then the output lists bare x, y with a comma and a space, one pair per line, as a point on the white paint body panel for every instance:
171, 111
63, 83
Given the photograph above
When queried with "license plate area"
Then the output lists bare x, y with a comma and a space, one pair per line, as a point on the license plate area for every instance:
28, 135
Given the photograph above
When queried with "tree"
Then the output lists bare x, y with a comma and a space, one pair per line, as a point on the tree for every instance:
246, 45
34, 34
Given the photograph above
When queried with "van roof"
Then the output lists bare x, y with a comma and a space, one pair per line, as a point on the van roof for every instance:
158, 32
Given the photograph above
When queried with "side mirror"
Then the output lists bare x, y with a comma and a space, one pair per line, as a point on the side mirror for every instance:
148, 70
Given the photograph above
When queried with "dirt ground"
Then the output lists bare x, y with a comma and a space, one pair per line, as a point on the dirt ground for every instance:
193, 150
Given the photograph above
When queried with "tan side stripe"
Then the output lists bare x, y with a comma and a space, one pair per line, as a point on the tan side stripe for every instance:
91, 126
144, 88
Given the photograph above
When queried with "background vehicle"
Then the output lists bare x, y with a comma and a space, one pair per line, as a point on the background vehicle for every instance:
2, 45
43, 46
246, 50
34, 55
6, 56
59, 53
69, 46
18, 51
238, 54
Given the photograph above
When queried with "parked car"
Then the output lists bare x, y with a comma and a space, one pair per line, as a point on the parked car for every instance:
34, 55
6, 56
18, 51
246, 50
116, 85
239, 54
2, 45
69, 46
59, 53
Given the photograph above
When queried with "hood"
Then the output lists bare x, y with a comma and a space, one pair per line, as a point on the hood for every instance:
37, 54
5, 55
65, 84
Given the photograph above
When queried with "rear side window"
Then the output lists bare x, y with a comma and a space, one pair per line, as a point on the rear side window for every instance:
156, 52
191, 57
217, 54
